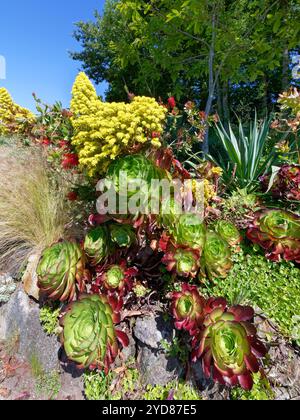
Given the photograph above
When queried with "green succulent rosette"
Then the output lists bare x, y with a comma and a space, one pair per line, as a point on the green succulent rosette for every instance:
122, 235
190, 231
170, 211
229, 232
98, 245
89, 336
216, 257
182, 261
60, 268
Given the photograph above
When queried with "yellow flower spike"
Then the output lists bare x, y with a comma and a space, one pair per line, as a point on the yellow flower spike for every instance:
104, 131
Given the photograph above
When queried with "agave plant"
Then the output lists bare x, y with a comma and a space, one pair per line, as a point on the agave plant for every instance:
278, 233
216, 257
122, 235
89, 336
228, 232
229, 346
188, 308
115, 278
98, 245
61, 267
182, 261
245, 159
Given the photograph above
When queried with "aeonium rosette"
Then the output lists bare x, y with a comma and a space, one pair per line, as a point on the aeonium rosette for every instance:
228, 345
182, 261
61, 269
278, 233
229, 232
115, 278
216, 257
89, 336
188, 308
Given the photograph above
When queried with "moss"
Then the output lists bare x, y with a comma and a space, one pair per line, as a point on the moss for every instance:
47, 384
273, 287
261, 390
173, 390
49, 317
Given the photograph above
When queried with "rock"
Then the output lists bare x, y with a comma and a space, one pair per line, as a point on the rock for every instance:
7, 287
152, 330
20, 318
30, 279
155, 365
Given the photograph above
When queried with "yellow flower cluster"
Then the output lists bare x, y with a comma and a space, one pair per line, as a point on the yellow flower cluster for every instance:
12, 116
104, 131
207, 194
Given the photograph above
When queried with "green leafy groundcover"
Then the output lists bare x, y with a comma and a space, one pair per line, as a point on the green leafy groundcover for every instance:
273, 287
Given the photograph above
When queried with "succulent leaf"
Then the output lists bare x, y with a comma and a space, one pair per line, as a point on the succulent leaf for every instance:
61, 267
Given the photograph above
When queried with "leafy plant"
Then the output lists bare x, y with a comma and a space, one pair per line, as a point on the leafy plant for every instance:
182, 261
172, 391
188, 308
273, 287
229, 344
216, 258
261, 390
278, 233
97, 385
244, 161
61, 268
98, 245
49, 318
89, 336
228, 232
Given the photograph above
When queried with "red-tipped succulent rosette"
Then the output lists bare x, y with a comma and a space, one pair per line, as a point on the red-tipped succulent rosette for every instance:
182, 261
114, 278
228, 345
278, 233
188, 309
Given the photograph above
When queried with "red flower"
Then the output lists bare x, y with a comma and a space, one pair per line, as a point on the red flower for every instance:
172, 102
72, 196
63, 144
155, 135
70, 160
45, 141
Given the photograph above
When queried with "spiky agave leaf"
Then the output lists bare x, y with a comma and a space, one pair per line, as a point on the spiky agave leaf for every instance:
229, 346
182, 261
278, 233
89, 336
228, 232
216, 257
98, 245
188, 308
61, 267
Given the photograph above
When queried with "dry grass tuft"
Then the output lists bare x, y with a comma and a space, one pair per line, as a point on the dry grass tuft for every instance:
34, 212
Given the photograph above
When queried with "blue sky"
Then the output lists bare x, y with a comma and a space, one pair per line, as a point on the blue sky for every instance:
35, 37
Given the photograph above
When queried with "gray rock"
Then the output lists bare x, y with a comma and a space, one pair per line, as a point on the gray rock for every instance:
20, 317
152, 330
156, 367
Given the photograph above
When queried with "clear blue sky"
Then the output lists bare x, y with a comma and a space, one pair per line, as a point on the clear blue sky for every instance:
35, 37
